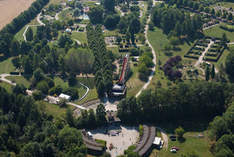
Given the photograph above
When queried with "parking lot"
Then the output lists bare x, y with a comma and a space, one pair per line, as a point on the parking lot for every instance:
120, 138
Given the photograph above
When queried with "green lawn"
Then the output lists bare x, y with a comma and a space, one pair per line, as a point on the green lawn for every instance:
6, 66
20, 80
81, 36
227, 4
158, 40
53, 109
7, 86
218, 32
191, 144
19, 35
86, 81
134, 84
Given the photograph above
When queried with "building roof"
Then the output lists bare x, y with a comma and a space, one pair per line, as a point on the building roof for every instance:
146, 140
64, 96
157, 140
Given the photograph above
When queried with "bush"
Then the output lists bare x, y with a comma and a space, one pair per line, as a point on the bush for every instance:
56, 90
73, 92
19, 89
38, 95
179, 132
62, 103
141, 130
43, 87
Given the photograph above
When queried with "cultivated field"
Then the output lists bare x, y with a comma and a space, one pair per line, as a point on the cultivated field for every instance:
9, 9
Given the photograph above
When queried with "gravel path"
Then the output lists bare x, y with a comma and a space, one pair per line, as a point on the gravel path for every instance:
154, 59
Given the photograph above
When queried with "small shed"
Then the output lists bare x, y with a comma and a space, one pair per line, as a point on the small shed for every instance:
64, 96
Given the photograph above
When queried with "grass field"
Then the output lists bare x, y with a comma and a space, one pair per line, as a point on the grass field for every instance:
134, 84
227, 4
6, 66
218, 32
158, 40
81, 36
20, 80
7, 86
191, 144
53, 109
19, 35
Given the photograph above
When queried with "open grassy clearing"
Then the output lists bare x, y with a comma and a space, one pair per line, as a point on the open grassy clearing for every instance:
19, 35
191, 144
158, 40
81, 36
7, 86
6, 66
226, 4
19, 80
218, 32
53, 109
134, 84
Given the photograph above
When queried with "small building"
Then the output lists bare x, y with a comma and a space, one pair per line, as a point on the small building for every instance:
64, 96
68, 30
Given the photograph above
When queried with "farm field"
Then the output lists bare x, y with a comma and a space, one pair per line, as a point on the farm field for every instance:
9, 9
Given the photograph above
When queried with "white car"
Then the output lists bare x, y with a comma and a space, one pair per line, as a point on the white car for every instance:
173, 150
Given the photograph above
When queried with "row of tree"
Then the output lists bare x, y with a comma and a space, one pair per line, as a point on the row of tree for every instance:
191, 100
103, 59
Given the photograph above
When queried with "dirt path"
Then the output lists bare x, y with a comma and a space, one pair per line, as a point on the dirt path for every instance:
40, 24
9, 9
154, 59
200, 60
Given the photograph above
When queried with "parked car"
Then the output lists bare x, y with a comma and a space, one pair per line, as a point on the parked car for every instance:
173, 150
176, 148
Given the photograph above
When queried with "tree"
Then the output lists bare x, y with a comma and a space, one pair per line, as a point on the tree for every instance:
32, 149
207, 73
229, 65
109, 5
111, 21
19, 89
96, 15
101, 114
38, 95
76, 12
14, 48
69, 117
29, 34
43, 87
179, 132
212, 73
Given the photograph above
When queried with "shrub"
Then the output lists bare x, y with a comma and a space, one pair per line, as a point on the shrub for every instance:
179, 132
43, 87
38, 95
73, 92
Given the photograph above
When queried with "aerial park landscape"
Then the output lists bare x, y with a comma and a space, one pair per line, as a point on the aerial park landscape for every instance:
119, 78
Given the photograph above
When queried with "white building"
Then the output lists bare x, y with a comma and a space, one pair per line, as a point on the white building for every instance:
64, 96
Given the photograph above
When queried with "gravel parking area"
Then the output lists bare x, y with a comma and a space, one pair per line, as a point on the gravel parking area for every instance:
120, 137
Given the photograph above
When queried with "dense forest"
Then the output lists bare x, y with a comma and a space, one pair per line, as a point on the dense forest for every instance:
27, 131
175, 22
189, 100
